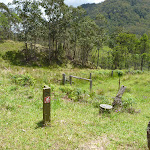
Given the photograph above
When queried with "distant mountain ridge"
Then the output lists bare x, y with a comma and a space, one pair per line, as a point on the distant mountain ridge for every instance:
132, 15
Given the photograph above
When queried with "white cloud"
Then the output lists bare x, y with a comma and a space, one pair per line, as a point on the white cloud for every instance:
6, 1
80, 2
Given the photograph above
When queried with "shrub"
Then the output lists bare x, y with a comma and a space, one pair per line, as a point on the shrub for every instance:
75, 94
23, 80
128, 102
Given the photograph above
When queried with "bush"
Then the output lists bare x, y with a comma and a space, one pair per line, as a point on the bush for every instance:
100, 99
120, 73
23, 80
128, 102
75, 94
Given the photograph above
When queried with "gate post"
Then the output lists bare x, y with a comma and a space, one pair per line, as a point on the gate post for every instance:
90, 85
64, 79
70, 79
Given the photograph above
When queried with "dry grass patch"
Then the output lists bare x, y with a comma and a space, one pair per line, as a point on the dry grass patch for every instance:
100, 143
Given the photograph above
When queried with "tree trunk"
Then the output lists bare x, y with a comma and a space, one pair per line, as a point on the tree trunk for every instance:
142, 63
97, 59
49, 45
117, 101
26, 51
74, 53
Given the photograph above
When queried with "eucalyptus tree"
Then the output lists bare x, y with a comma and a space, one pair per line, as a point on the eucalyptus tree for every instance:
35, 22
77, 15
22, 9
101, 33
30, 15
86, 39
127, 42
144, 49
54, 14
4, 20
8, 19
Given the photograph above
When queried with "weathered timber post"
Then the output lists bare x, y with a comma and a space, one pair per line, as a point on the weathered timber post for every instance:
112, 73
119, 82
90, 85
117, 101
64, 79
120, 73
90, 75
46, 105
70, 80
148, 135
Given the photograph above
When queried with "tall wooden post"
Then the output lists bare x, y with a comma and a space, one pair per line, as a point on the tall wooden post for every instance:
70, 79
148, 135
90, 85
90, 75
119, 82
64, 79
112, 73
46, 106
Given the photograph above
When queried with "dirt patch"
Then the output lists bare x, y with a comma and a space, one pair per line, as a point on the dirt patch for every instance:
99, 143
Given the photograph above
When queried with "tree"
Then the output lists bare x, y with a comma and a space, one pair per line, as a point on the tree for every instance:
31, 21
124, 50
54, 12
74, 30
143, 47
101, 34
88, 30
4, 21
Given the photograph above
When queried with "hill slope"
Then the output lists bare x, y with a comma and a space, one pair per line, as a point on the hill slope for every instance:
133, 15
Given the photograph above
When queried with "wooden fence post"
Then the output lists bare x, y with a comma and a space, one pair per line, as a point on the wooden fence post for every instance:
112, 73
64, 79
46, 105
148, 135
70, 79
90, 85
90, 75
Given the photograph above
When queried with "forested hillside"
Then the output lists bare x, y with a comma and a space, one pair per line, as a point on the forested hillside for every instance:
132, 15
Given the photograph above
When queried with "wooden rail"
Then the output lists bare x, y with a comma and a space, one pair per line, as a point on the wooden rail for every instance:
80, 78
70, 80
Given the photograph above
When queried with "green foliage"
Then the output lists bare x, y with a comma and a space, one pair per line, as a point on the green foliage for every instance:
16, 58
66, 89
23, 80
120, 73
132, 15
100, 99
128, 101
73, 93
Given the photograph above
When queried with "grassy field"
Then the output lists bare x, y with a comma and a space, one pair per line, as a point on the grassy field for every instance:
75, 119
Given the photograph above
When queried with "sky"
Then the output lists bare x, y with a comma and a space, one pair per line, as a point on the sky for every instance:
68, 2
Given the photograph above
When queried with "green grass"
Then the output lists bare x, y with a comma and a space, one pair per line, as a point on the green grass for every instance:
75, 119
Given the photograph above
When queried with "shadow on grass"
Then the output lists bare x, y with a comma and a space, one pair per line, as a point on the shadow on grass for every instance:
1, 41
31, 58
40, 124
